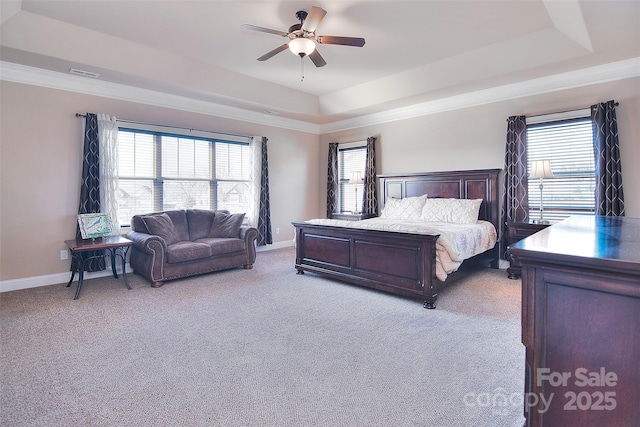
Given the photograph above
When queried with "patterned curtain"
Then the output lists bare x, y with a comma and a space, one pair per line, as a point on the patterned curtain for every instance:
332, 180
90, 187
370, 196
609, 195
264, 216
515, 204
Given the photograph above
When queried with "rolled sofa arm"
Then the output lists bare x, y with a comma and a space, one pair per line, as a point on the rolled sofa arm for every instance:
146, 242
250, 236
148, 256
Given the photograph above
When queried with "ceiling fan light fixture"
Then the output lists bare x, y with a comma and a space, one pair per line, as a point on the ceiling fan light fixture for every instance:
302, 46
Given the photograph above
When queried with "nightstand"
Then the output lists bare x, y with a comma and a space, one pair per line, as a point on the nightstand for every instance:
517, 231
350, 216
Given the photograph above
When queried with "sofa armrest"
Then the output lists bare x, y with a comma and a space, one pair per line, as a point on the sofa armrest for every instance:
148, 256
250, 236
147, 243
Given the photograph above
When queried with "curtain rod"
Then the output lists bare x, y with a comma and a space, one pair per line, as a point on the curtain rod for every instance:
565, 111
172, 127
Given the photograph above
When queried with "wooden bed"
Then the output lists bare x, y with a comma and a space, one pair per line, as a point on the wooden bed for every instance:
399, 263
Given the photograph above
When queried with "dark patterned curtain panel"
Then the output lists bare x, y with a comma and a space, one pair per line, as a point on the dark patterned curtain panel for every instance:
264, 216
370, 196
609, 195
515, 204
332, 180
90, 187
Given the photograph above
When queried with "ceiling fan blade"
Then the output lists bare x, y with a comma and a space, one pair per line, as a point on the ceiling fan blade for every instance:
345, 41
273, 52
313, 19
264, 30
317, 59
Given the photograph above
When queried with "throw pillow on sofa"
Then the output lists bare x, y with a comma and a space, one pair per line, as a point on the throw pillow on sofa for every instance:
161, 225
199, 223
226, 225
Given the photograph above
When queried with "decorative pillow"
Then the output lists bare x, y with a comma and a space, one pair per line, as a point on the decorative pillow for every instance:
458, 211
226, 225
407, 208
161, 225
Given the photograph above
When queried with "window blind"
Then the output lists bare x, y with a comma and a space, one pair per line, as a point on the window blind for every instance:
568, 145
162, 171
351, 159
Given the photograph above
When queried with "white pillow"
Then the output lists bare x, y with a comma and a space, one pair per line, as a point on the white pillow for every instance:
407, 208
458, 211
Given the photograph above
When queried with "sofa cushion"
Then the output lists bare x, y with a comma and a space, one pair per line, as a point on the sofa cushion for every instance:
187, 251
222, 246
200, 221
161, 225
181, 227
226, 225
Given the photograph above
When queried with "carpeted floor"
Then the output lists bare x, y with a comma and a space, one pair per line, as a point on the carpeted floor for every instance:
261, 347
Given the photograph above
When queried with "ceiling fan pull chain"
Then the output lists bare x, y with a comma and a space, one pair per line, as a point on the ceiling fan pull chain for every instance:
301, 68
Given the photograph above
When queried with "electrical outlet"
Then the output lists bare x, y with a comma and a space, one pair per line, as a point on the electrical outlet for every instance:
277, 230
64, 254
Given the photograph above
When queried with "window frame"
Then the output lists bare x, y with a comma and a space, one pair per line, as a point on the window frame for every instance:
558, 212
159, 180
345, 200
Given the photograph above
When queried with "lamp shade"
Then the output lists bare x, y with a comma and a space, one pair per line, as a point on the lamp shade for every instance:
355, 178
541, 169
302, 46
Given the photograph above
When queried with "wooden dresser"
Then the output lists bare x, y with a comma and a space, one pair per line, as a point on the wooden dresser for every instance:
581, 322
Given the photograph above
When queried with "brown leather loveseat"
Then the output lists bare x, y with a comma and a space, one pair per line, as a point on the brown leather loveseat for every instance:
179, 243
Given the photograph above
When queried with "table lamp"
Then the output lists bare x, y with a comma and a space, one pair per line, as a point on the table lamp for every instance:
356, 178
541, 169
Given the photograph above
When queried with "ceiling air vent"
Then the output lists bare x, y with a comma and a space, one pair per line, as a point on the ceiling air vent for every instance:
84, 73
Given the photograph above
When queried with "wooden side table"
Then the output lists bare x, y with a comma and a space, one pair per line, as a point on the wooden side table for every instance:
517, 231
117, 246
351, 216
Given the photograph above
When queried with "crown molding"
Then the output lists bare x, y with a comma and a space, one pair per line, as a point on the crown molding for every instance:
619, 70
55, 80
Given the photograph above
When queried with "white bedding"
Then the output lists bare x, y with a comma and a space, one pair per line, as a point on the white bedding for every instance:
456, 243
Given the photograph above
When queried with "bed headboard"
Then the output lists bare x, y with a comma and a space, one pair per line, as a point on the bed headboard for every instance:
471, 184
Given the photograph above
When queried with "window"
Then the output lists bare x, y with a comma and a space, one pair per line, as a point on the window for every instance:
161, 171
568, 145
351, 161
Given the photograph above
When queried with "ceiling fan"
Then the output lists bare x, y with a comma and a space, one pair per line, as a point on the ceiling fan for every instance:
302, 37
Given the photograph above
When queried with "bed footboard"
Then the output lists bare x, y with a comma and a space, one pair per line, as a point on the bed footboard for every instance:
398, 263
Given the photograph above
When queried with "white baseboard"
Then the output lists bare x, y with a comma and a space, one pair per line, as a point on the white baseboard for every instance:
49, 279
54, 279
278, 245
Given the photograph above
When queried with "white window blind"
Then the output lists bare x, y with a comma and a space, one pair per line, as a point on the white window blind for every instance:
351, 158
568, 145
162, 171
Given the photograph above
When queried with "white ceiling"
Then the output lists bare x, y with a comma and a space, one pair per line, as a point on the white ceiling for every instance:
415, 51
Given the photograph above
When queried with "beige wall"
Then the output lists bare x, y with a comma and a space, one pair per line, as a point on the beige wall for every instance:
474, 138
40, 153
40, 161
